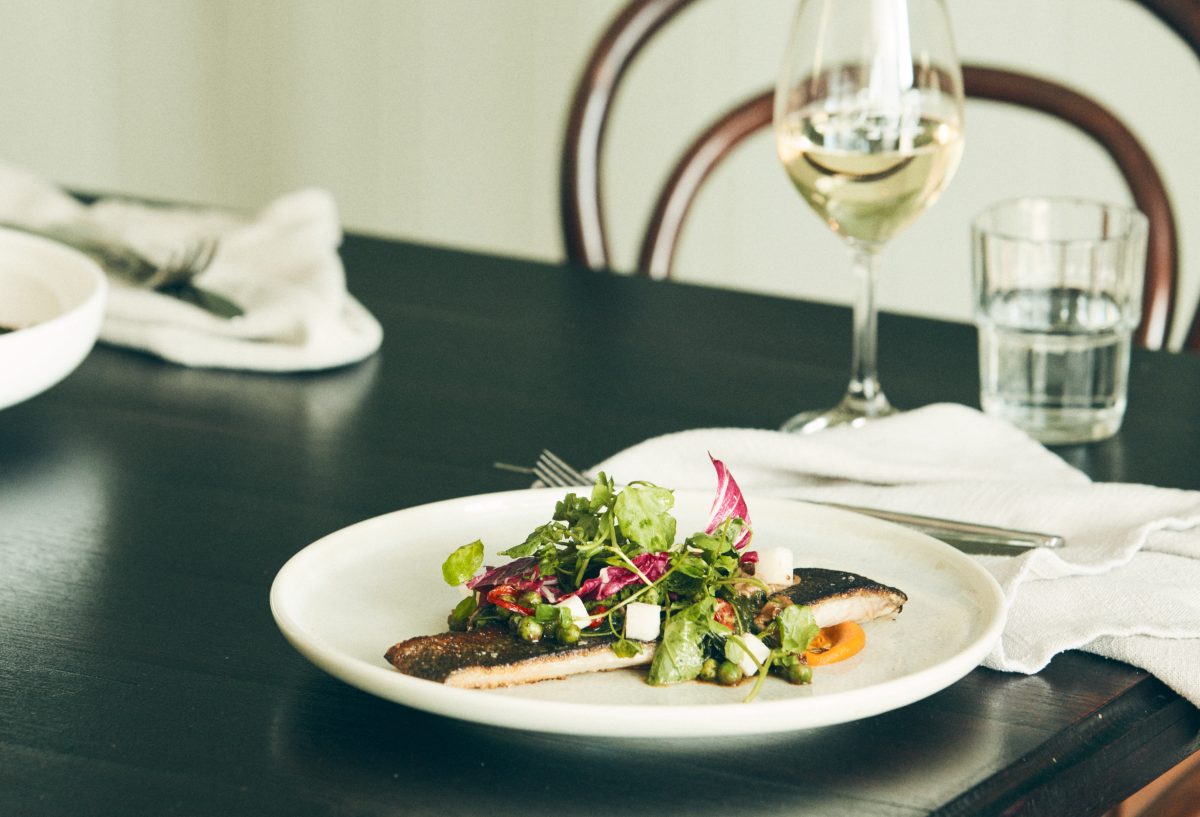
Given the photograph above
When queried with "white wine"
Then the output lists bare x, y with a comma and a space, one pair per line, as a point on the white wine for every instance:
868, 178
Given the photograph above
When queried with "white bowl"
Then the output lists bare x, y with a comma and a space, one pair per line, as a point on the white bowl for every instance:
53, 296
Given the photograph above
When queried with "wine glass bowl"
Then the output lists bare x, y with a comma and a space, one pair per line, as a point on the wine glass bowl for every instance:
868, 124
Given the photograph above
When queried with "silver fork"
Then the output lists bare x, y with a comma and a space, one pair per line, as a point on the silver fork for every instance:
554, 472
174, 277
551, 470
183, 265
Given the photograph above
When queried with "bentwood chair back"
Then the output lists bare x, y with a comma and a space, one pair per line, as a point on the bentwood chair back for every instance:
581, 201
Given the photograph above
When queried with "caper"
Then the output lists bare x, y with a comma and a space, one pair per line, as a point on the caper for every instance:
708, 670
529, 629
514, 621
729, 674
569, 634
530, 598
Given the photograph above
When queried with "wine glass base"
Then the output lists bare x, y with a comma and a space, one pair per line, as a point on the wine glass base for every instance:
852, 411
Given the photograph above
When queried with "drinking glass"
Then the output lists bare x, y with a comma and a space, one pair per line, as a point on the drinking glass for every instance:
1058, 294
869, 126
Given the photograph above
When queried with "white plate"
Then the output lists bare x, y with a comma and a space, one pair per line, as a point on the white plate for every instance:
345, 599
54, 297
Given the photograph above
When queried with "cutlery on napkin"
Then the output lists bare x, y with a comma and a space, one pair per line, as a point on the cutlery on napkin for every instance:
1123, 586
553, 471
280, 266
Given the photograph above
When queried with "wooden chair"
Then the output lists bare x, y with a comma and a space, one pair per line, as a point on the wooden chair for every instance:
581, 195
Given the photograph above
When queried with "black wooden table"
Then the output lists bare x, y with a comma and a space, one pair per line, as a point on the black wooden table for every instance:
146, 509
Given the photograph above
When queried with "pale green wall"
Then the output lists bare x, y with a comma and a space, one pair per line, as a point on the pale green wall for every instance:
440, 121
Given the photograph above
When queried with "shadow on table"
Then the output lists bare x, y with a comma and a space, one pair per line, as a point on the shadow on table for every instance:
334, 738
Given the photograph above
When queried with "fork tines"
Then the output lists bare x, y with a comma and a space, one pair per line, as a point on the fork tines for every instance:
554, 472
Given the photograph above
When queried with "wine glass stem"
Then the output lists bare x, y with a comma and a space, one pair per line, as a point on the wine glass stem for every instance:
864, 392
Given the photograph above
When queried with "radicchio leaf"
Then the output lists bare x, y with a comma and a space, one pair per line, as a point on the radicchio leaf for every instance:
613, 579
729, 503
520, 574
517, 573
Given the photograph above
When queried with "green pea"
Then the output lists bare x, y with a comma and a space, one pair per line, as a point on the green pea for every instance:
708, 670
798, 672
514, 622
529, 629
793, 669
729, 674
530, 598
569, 634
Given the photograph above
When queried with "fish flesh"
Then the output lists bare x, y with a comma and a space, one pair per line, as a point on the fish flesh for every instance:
834, 596
495, 657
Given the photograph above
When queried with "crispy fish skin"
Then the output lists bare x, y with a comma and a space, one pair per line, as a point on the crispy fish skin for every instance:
495, 658
835, 596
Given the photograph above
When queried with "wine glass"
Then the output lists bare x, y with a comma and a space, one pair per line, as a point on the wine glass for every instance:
869, 126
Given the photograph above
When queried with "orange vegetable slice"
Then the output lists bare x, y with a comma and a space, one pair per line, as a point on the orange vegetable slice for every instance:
836, 643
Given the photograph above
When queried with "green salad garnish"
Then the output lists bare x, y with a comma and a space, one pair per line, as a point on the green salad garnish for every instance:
579, 574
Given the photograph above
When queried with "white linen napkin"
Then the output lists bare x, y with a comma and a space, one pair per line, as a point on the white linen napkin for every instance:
280, 266
1126, 585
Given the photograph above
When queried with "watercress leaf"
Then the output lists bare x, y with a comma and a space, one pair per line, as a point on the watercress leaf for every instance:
692, 566
683, 585
708, 544
726, 565
735, 531
461, 614
643, 512
624, 648
602, 492
602, 530
704, 613
680, 653
543, 536
797, 627
462, 563
552, 614
572, 509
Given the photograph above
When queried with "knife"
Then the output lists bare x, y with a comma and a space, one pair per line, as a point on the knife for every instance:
966, 536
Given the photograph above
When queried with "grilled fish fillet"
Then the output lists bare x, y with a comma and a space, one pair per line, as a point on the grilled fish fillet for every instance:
835, 596
496, 658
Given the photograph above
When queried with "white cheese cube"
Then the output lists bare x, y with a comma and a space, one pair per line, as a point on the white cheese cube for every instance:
579, 613
775, 566
735, 653
641, 621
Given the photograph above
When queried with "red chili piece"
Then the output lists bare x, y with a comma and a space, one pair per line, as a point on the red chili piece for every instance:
599, 611
502, 596
725, 614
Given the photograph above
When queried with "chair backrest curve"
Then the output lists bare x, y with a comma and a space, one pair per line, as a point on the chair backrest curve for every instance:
583, 219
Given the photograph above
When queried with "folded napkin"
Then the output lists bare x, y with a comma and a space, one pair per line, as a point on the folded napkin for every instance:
280, 266
1126, 585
